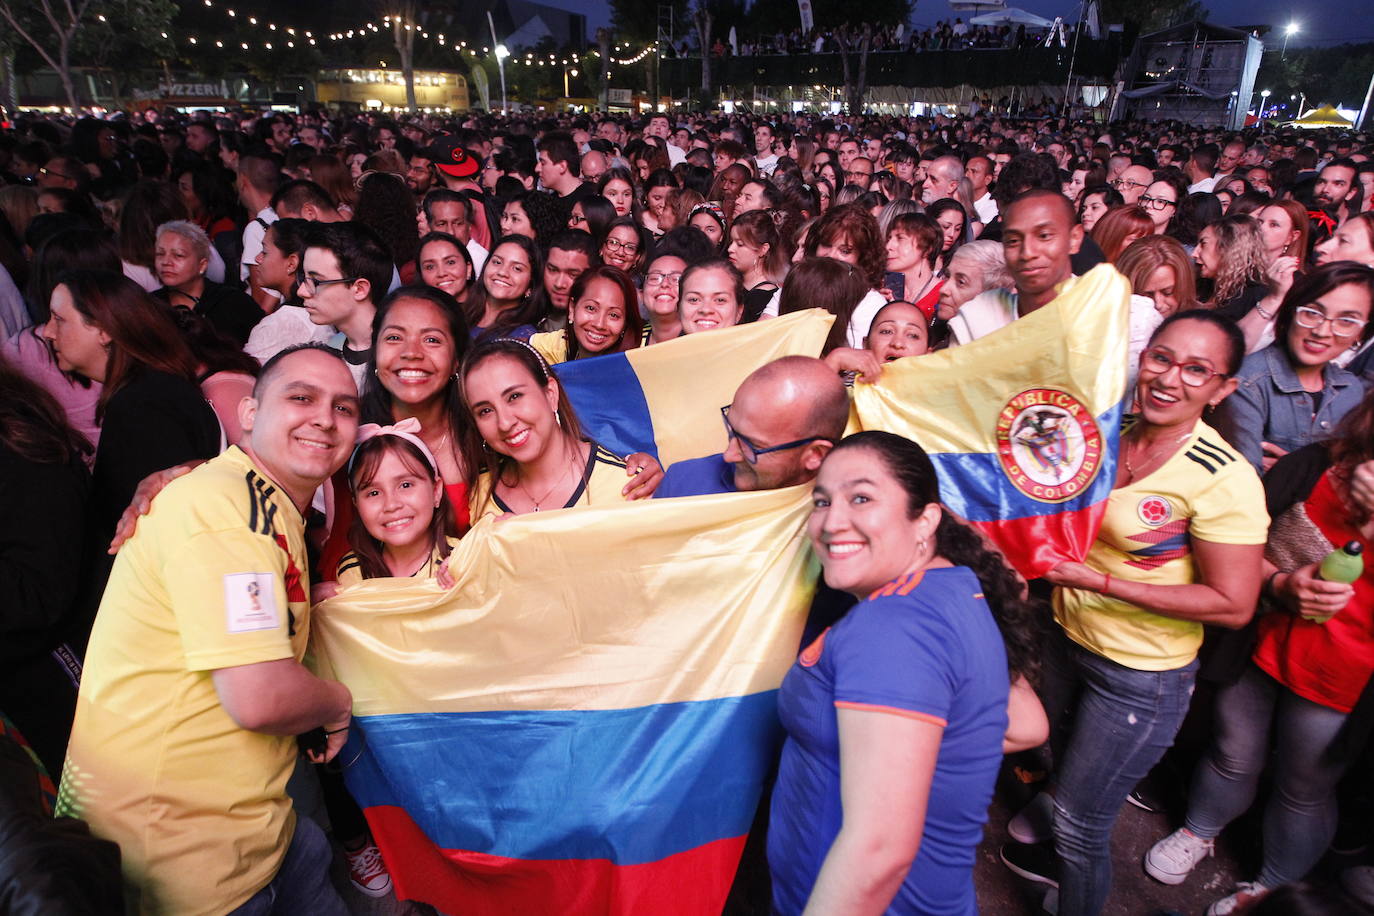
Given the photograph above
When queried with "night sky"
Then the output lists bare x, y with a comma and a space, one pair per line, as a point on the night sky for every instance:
1323, 22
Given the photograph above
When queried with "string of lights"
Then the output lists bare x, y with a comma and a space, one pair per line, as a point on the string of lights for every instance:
287, 37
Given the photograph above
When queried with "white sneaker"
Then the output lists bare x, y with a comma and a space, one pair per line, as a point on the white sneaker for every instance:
1035, 822
1170, 860
367, 872
1246, 893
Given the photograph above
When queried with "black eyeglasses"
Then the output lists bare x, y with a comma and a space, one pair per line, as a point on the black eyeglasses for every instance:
310, 284
749, 450
1156, 203
47, 171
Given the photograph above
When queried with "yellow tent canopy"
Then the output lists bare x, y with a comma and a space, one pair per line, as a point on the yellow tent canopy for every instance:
1325, 116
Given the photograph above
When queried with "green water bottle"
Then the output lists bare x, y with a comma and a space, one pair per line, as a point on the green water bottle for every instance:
1344, 564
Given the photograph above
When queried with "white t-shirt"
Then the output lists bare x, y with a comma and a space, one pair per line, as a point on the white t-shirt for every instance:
252, 239
478, 255
862, 319
994, 309
986, 208
287, 326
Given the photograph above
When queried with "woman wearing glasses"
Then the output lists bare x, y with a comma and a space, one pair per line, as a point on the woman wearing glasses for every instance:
1291, 393
1180, 546
626, 246
1311, 661
1161, 203
662, 283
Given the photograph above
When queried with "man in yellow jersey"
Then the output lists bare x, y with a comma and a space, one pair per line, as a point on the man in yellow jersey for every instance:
194, 687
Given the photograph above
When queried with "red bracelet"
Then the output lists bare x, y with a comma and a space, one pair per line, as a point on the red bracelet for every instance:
1106, 586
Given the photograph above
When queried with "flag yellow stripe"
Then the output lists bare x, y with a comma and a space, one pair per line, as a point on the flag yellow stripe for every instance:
595, 608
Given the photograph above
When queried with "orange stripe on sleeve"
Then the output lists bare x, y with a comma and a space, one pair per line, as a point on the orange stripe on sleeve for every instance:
892, 710
915, 579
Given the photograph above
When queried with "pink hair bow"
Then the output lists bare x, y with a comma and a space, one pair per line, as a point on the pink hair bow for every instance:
407, 429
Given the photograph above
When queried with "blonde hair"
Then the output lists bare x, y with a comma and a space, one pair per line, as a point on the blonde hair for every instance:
1146, 255
1241, 256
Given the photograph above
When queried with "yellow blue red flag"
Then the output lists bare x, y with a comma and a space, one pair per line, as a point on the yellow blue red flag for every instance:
666, 399
1022, 424
584, 722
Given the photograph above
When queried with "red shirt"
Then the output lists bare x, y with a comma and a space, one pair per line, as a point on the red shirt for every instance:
1327, 663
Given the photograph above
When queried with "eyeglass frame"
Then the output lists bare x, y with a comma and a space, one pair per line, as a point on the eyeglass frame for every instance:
618, 245
44, 170
663, 278
1324, 319
748, 448
1175, 364
316, 284
1119, 183
1147, 202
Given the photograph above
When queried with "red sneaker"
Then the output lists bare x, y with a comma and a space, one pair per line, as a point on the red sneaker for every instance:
367, 871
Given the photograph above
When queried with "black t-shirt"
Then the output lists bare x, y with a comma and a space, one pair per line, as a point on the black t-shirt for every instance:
565, 201
231, 311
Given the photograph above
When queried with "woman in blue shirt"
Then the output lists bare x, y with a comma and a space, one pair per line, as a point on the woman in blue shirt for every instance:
895, 716
1291, 393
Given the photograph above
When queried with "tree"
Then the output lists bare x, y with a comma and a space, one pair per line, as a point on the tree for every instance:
108, 44
854, 47
50, 27
403, 28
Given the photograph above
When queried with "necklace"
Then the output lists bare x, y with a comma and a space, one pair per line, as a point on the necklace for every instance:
537, 502
1151, 453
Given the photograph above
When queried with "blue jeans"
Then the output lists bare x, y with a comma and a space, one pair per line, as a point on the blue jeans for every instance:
302, 883
1300, 814
1109, 726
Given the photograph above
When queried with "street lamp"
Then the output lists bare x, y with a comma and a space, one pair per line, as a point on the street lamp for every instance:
566, 74
1288, 32
502, 52
1264, 103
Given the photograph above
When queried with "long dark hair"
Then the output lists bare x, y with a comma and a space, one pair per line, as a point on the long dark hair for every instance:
362, 469
143, 335
524, 312
634, 325
1020, 620
386, 206
1308, 288
376, 402
33, 425
526, 355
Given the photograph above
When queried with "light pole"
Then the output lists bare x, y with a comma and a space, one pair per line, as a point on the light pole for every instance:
1301, 99
566, 74
1288, 32
502, 52
1264, 103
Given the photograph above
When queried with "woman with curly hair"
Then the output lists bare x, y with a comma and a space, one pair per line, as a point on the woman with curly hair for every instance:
1230, 253
387, 207
930, 664
849, 233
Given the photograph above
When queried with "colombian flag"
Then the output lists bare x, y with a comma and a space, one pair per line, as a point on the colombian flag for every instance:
1022, 424
666, 399
584, 722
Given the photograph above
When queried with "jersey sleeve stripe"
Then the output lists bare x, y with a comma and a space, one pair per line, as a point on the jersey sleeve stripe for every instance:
892, 710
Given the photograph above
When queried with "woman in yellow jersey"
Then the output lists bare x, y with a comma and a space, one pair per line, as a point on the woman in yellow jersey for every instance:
1180, 546
535, 453
604, 318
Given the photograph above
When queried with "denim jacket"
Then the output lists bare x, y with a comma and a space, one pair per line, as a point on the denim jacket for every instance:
1270, 405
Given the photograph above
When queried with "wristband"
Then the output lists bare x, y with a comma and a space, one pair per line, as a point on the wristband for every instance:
1269, 583
1107, 585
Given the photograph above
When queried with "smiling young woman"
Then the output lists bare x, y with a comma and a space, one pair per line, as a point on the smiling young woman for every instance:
1291, 392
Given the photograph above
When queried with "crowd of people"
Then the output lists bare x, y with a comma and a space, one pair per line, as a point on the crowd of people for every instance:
955, 35
250, 361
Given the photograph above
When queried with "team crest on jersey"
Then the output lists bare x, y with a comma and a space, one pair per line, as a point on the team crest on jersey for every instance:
1154, 510
1049, 444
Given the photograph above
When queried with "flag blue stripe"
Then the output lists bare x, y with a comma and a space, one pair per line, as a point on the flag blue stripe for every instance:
975, 486
609, 401
627, 785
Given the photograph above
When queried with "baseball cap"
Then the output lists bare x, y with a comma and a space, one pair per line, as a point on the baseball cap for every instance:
450, 158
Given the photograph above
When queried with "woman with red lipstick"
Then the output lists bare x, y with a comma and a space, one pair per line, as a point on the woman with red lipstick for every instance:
921, 669
1291, 393
1180, 546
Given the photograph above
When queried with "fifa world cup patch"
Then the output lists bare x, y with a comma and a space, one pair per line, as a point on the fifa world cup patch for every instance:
250, 602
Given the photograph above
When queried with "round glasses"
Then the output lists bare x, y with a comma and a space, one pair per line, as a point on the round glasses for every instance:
1309, 317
